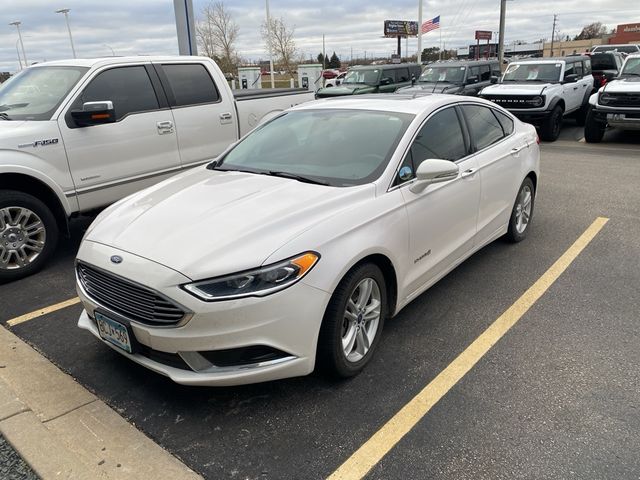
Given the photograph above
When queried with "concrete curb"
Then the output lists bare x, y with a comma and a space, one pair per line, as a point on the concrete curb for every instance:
63, 431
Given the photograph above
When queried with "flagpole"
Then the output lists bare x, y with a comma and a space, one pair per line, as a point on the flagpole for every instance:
419, 56
440, 28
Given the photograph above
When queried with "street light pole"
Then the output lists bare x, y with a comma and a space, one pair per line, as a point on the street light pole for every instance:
66, 17
503, 8
269, 44
19, 58
24, 55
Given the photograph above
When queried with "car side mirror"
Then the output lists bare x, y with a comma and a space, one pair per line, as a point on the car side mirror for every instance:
473, 79
434, 171
94, 113
494, 79
571, 78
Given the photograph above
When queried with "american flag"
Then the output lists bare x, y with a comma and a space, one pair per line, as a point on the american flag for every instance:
431, 24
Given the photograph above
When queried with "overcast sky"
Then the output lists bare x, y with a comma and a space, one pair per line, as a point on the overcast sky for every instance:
147, 26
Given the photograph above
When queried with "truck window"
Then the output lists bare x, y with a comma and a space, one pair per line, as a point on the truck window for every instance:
587, 67
495, 70
578, 66
129, 88
388, 74
485, 73
569, 69
474, 72
402, 75
191, 84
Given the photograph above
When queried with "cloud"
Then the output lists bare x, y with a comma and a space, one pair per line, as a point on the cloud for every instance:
148, 27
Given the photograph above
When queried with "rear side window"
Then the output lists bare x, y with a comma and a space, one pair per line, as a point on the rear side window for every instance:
441, 137
389, 75
402, 75
569, 69
129, 88
579, 69
505, 121
587, 67
485, 73
191, 84
474, 72
484, 126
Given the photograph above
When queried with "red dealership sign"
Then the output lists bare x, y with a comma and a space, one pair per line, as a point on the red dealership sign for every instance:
483, 35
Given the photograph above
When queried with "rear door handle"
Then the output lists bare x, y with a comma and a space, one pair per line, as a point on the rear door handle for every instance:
468, 173
515, 150
225, 118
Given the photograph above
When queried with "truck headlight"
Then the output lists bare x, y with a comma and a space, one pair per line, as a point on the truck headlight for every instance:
605, 98
258, 282
537, 101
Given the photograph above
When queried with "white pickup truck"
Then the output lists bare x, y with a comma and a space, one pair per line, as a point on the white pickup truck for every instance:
77, 135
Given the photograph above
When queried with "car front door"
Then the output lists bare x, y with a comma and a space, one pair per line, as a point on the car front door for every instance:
442, 217
112, 160
497, 148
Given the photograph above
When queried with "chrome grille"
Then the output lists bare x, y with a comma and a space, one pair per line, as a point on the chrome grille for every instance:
129, 300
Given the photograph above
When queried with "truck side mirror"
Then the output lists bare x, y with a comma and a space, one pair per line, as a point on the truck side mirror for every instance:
94, 113
473, 79
494, 79
571, 78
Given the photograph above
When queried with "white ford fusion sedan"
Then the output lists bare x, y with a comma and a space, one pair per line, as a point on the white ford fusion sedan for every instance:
293, 247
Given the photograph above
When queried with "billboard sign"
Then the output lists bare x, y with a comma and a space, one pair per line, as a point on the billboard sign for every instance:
400, 28
483, 35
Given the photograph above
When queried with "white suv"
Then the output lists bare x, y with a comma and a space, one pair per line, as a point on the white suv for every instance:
543, 91
617, 104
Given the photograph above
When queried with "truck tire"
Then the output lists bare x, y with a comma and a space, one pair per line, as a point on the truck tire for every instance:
581, 115
550, 129
593, 130
28, 235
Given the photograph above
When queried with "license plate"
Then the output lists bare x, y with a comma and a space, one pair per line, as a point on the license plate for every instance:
113, 332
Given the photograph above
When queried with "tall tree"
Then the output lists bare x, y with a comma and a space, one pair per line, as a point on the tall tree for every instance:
593, 30
334, 62
279, 38
321, 58
217, 34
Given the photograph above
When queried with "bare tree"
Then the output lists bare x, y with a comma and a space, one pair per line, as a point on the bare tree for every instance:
279, 38
593, 30
217, 33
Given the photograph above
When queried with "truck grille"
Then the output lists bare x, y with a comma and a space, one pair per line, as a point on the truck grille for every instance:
623, 99
129, 300
509, 101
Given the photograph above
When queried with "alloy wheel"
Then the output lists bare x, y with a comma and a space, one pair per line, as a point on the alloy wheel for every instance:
523, 208
361, 319
22, 237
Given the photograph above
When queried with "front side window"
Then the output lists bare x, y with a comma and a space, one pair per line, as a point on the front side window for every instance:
443, 74
191, 84
631, 67
402, 75
129, 88
339, 147
368, 77
483, 124
474, 74
578, 67
485, 73
36, 92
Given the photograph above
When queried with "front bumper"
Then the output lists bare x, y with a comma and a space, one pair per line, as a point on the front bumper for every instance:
533, 117
287, 322
624, 118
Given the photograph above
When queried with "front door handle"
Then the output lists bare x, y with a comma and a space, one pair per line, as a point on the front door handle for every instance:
164, 127
469, 173
225, 118
515, 150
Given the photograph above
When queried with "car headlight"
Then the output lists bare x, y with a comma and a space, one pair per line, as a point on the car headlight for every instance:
259, 282
537, 101
605, 98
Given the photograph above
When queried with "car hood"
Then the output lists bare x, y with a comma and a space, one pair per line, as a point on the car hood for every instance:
432, 87
623, 85
206, 223
524, 88
343, 89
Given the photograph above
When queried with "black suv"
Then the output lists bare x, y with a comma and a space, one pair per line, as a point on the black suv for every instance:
459, 78
605, 66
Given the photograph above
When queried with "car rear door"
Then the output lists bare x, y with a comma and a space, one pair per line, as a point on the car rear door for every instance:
497, 148
112, 160
442, 217
206, 120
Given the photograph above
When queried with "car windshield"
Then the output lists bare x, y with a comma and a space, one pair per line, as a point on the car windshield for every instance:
443, 74
35, 93
618, 48
370, 77
337, 147
532, 72
631, 66
603, 61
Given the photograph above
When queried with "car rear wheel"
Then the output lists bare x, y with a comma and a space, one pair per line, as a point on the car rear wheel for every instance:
522, 212
353, 322
28, 235
593, 130
550, 130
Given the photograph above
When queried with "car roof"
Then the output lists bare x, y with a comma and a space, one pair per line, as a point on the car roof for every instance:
572, 58
386, 66
100, 61
412, 103
461, 63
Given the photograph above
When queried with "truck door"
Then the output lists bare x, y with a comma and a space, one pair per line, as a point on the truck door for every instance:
572, 92
113, 160
206, 120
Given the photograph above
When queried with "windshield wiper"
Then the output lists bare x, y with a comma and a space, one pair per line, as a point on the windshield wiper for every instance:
4, 116
293, 176
631, 73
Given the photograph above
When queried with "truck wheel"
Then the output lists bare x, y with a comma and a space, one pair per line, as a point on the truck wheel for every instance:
550, 130
581, 115
28, 235
593, 130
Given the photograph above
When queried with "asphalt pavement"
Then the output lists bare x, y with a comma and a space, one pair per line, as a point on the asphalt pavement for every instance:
556, 397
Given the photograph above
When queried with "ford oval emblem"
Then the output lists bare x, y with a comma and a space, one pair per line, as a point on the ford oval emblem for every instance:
116, 259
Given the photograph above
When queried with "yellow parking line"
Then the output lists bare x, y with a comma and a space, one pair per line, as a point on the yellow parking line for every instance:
369, 454
38, 313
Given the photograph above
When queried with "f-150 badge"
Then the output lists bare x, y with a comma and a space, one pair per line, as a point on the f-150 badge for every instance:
39, 143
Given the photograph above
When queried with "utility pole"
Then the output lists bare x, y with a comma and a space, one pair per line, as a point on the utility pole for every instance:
419, 32
503, 9
269, 45
553, 32
324, 55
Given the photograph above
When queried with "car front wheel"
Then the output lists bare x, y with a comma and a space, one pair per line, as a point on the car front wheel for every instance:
522, 212
28, 235
353, 322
